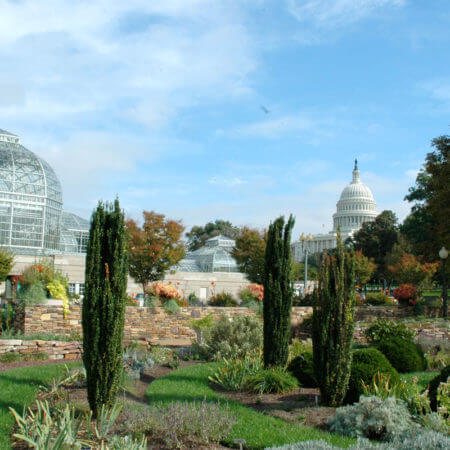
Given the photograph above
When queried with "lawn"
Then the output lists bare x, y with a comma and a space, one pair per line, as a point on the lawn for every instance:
258, 429
424, 377
18, 389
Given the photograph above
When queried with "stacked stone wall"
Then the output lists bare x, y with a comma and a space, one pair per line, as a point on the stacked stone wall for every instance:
54, 349
157, 326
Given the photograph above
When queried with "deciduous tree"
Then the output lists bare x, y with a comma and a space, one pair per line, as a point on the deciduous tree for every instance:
364, 268
249, 253
200, 234
6, 263
154, 248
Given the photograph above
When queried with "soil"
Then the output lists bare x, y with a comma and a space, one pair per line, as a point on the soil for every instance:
298, 406
17, 364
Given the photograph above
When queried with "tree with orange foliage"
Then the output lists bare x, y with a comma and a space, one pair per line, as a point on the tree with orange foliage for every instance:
410, 269
154, 248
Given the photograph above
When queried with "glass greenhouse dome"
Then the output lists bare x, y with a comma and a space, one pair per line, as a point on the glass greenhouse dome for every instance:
31, 205
215, 256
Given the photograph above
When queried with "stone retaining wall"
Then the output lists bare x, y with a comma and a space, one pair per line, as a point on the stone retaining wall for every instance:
156, 325
54, 349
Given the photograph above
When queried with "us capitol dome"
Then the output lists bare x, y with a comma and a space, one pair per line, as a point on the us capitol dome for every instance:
32, 219
356, 206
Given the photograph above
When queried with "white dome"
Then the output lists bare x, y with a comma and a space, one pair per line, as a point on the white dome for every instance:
355, 206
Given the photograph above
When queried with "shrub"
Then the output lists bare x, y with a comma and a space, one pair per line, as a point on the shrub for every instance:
434, 421
412, 439
135, 363
235, 338
232, 374
298, 347
182, 424
405, 293
193, 300
302, 367
274, 380
405, 356
378, 298
164, 291
372, 418
411, 393
434, 385
222, 299
384, 328
165, 356
253, 292
366, 363
171, 306
34, 293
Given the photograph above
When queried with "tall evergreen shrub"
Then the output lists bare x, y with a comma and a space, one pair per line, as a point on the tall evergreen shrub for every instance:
103, 311
278, 293
333, 324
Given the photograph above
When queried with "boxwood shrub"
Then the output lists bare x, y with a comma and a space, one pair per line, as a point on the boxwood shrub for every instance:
366, 363
404, 355
302, 367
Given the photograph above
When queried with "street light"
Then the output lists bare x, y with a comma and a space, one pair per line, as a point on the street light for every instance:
443, 254
306, 240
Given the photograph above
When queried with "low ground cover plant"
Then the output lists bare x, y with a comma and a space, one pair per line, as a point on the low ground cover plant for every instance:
222, 299
136, 362
178, 424
10, 357
378, 299
413, 439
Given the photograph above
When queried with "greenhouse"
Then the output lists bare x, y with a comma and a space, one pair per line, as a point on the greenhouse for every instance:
32, 220
215, 256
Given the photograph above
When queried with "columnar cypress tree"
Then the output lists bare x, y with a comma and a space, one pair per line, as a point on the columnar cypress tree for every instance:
103, 313
278, 293
333, 324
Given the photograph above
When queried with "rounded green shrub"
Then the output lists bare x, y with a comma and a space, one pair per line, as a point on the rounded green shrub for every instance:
302, 367
366, 363
404, 355
434, 384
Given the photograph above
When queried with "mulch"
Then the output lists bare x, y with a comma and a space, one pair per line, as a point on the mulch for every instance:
18, 364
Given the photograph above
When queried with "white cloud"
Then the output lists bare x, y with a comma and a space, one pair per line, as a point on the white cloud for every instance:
336, 13
301, 124
438, 89
224, 181
139, 60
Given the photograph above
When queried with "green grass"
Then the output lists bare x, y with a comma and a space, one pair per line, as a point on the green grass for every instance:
424, 377
258, 429
18, 389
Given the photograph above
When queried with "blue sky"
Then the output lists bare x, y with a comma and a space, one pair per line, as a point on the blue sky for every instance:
232, 109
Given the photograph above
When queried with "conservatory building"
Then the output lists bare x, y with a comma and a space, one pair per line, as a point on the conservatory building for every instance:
33, 223
355, 207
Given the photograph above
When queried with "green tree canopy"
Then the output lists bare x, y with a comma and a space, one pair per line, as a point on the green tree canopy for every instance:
199, 235
376, 239
6, 263
427, 226
249, 252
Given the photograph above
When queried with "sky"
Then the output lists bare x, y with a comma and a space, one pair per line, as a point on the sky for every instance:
227, 109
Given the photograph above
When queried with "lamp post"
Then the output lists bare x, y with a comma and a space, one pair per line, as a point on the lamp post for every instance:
305, 248
443, 254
